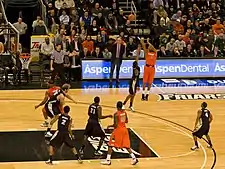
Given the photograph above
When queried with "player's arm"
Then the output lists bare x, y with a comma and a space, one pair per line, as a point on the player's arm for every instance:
143, 44
115, 122
55, 118
70, 128
199, 113
43, 101
61, 99
138, 77
70, 98
100, 116
210, 118
152, 47
126, 121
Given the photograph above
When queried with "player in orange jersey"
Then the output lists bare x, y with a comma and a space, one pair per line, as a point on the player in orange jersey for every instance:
120, 136
149, 69
49, 94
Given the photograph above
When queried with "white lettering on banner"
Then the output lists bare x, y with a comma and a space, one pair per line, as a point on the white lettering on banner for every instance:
216, 81
94, 141
170, 80
219, 68
191, 96
190, 82
182, 68
106, 70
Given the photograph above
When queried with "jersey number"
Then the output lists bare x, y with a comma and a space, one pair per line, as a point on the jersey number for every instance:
63, 122
93, 111
206, 115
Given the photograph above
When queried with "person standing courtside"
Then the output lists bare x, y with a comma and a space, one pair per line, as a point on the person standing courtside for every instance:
118, 50
204, 118
56, 64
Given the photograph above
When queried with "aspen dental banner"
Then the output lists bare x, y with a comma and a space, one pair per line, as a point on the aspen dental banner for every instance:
172, 68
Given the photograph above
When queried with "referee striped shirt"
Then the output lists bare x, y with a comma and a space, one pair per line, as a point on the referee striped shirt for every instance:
58, 57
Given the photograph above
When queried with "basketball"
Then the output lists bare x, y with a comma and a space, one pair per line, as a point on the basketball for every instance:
131, 17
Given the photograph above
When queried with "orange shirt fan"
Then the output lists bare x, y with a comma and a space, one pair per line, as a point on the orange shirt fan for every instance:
131, 17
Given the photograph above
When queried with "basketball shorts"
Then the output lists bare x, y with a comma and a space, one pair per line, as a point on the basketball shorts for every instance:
120, 138
52, 109
149, 74
204, 130
132, 90
94, 128
59, 138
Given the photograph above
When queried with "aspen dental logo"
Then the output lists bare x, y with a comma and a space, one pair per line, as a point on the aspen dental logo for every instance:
191, 96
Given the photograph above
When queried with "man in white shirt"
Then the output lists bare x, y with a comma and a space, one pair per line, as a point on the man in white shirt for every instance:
138, 53
20, 26
46, 51
64, 18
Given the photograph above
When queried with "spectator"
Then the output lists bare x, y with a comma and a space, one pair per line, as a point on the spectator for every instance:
99, 43
40, 29
170, 47
190, 52
46, 50
131, 46
97, 53
104, 36
59, 4
36, 23
218, 27
65, 44
176, 52
118, 50
219, 46
158, 14
74, 17
111, 23
89, 44
107, 54
180, 44
83, 34
21, 26
138, 53
85, 53
64, 18
67, 68
59, 37
121, 19
100, 20
162, 52
96, 10
70, 3
94, 29
177, 16
86, 20
205, 26
75, 45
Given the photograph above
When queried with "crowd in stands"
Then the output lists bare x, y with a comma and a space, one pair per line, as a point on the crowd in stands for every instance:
88, 28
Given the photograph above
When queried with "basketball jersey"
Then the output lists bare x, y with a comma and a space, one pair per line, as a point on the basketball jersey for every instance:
63, 123
205, 117
93, 112
151, 58
121, 118
53, 90
53, 99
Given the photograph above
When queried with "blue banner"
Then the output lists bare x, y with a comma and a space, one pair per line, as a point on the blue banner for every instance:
173, 68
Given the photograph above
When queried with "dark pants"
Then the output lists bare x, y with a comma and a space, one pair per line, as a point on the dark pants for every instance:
117, 62
58, 70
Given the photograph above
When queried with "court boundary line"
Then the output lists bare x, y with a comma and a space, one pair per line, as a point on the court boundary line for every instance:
156, 117
145, 142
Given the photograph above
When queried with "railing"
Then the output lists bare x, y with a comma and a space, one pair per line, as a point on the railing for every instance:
9, 28
134, 11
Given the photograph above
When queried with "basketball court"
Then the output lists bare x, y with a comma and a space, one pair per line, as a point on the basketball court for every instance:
163, 126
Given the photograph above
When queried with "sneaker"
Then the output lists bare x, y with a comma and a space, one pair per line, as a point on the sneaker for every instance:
48, 134
79, 160
106, 162
45, 124
134, 161
49, 162
143, 97
131, 108
194, 148
146, 98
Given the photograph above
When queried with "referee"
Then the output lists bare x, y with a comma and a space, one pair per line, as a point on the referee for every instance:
57, 61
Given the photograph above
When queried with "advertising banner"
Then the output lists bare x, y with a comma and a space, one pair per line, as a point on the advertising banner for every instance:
173, 68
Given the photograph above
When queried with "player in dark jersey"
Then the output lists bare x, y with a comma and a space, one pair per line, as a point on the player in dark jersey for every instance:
133, 85
202, 125
47, 111
62, 135
93, 127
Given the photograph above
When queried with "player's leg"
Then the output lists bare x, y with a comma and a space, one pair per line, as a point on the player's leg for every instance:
107, 161
84, 143
99, 132
151, 72
209, 141
51, 153
131, 102
87, 132
46, 117
197, 134
134, 159
69, 142
145, 82
127, 99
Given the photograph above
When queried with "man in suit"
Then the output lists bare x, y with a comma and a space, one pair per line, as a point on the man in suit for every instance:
118, 50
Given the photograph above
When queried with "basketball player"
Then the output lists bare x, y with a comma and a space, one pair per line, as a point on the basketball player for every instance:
48, 95
93, 127
120, 136
62, 135
204, 117
149, 69
133, 85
